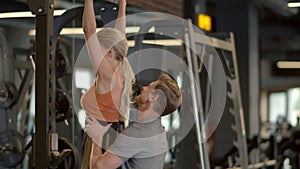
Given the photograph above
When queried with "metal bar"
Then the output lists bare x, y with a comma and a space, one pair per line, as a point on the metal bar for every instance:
258, 165
44, 83
209, 68
20, 64
244, 155
210, 41
239, 114
3, 55
24, 87
197, 97
194, 99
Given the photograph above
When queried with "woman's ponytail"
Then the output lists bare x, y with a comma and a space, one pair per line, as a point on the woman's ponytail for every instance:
129, 80
112, 37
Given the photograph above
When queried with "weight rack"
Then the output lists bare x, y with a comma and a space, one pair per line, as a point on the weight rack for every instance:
45, 84
45, 139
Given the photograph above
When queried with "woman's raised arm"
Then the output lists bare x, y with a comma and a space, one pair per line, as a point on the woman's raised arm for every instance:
121, 20
88, 19
96, 53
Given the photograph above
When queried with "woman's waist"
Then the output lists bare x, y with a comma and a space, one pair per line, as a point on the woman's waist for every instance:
105, 116
118, 125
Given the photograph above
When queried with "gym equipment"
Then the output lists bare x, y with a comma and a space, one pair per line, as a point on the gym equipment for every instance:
107, 10
24, 66
288, 148
238, 126
63, 105
295, 140
3, 56
181, 31
47, 32
66, 150
8, 94
11, 148
61, 63
192, 40
71, 160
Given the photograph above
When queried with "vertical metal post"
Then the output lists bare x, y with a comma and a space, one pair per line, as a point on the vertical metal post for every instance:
243, 152
3, 57
198, 108
45, 81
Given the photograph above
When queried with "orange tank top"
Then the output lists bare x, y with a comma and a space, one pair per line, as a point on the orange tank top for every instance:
101, 106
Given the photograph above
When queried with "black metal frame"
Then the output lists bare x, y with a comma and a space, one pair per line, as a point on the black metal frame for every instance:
45, 138
3, 54
45, 82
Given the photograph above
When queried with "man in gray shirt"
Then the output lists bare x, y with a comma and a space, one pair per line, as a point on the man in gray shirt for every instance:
143, 144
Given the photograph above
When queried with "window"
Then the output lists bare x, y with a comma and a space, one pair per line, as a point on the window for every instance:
293, 105
285, 106
83, 81
277, 106
83, 78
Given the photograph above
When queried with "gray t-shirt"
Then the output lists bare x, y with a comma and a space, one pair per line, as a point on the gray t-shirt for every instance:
142, 145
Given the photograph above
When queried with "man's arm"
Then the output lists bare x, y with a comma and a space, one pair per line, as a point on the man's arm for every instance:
104, 161
98, 160
121, 20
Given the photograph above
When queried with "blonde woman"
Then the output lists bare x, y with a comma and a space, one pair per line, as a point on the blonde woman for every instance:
108, 98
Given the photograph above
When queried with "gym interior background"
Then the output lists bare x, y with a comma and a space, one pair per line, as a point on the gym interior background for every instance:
259, 127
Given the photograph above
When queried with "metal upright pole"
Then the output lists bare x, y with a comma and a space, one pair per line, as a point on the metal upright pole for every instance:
45, 81
196, 96
241, 142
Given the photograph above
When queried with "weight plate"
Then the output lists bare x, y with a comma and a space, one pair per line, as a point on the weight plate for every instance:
63, 105
11, 148
71, 161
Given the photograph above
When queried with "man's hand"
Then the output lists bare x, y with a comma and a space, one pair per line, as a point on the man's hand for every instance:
95, 130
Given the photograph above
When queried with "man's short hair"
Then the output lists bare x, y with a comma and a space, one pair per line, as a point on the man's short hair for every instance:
171, 91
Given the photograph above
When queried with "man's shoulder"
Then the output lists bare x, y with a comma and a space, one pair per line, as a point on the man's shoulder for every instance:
131, 131
144, 130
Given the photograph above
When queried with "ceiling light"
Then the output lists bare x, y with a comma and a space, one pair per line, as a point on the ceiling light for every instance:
288, 64
131, 43
293, 4
79, 31
64, 31
162, 42
26, 14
